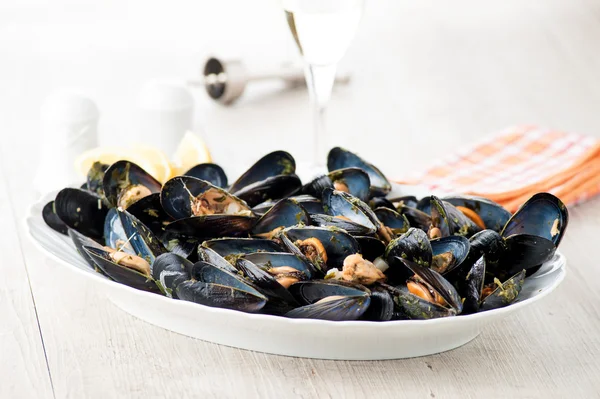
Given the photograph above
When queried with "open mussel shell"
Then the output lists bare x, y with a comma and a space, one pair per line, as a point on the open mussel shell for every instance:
449, 253
81, 241
505, 294
370, 247
272, 164
393, 220
285, 213
543, 215
179, 193
144, 243
406, 200
424, 205
333, 309
524, 251
347, 207
81, 210
447, 220
339, 158
119, 273
114, 233
151, 213
169, 270
267, 284
414, 246
210, 172
329, 300
95, 178
351, 180
122, 178
381, 202
382, 305
486, 243
492, 214
308, 202
505, 291
415, 217
52, 220
308, 292
211, 226
335, 243
275, 187
267, 260
209, 256
215, 287
235, 246
339, 223
415, 307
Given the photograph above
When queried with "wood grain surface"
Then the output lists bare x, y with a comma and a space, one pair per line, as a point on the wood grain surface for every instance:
428, 78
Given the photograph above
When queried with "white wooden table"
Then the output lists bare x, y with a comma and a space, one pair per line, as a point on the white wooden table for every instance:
429, 76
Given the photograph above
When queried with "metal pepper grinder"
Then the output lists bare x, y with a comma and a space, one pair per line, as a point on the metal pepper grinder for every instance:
226, 80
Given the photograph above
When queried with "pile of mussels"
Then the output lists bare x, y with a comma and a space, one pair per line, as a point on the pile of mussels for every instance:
335, 248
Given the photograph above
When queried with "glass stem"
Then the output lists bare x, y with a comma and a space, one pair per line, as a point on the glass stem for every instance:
320, 80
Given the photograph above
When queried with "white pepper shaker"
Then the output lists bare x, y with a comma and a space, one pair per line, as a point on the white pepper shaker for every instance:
69, 122
165, 113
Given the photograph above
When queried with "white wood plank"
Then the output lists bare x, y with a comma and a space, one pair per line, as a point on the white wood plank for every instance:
22, 362
448, 73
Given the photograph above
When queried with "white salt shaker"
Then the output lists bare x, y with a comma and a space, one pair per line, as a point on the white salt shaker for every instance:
165, 113
69, 122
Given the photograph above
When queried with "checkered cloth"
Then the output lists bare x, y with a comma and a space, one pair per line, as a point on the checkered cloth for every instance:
511, 166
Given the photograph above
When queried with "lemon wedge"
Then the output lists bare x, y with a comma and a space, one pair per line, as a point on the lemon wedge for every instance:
191, 151
160, 163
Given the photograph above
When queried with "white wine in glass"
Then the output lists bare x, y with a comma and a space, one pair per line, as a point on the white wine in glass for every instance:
323, 31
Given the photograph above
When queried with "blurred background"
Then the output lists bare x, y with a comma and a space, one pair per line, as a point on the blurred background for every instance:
420, 69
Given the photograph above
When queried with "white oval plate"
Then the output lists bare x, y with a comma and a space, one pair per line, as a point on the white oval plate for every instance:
348, 340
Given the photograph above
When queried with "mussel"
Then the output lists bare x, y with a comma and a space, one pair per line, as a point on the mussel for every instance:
449, 253
236, 246
485, 291
426, 294
51, 218
81, 210
339, 158
285, 213
483, 212
124, 268
210, 172
534, 232
329, 300
350, 180
203, 210
323, 247
311, 204
271, 165
397, 223
447, 220
95, 178
169, 270
124, 183
212, 286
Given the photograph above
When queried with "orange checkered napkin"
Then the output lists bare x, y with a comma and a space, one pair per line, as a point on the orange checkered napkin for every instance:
511, 166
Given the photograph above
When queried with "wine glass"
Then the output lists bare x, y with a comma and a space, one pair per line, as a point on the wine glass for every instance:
323, 31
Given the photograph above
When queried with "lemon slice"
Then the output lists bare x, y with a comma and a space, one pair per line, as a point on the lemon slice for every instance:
110, 155
191, 151
158, 159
